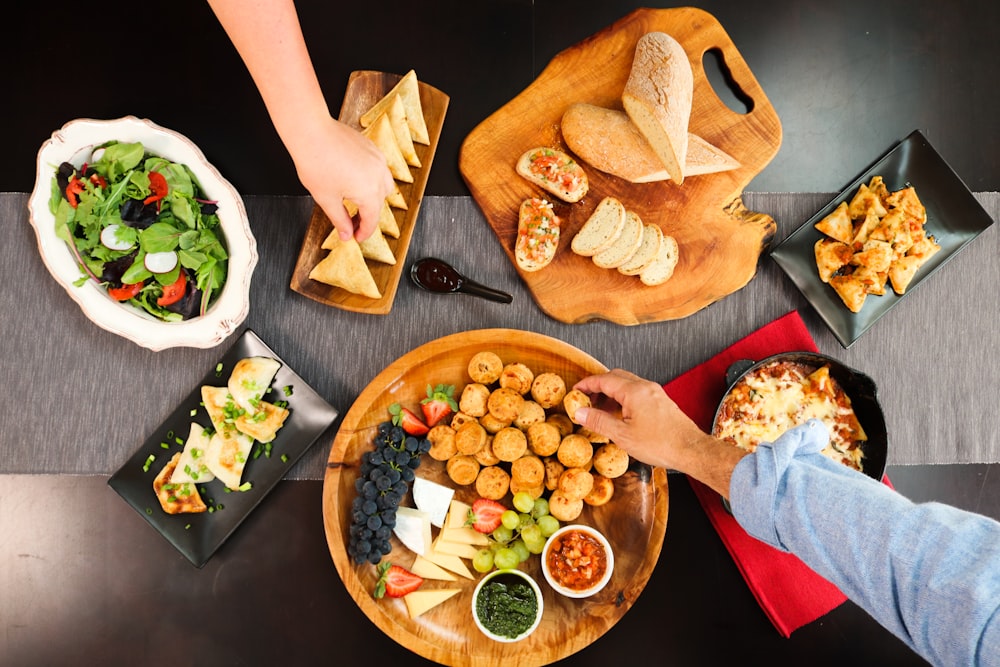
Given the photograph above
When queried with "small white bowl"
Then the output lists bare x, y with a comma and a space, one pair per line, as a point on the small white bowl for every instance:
74, 143
596, 586
506, 573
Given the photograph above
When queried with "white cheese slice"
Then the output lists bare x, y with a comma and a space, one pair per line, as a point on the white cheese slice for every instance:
449, 562
458, 514
413, 528
432, 498
419, 602
191, 465
464, 535
455, 549
428, 570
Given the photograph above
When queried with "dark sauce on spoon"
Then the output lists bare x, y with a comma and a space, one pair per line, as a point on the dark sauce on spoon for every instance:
436, 276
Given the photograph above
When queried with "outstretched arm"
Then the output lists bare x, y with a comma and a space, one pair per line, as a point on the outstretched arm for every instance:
333, 161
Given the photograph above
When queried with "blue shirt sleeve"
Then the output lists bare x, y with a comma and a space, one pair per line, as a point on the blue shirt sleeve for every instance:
928, 572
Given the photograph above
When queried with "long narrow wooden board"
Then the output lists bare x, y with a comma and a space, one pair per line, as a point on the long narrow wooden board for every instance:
364, 88
720, 240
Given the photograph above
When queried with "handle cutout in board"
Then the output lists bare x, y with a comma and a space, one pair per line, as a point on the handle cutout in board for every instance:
726, 88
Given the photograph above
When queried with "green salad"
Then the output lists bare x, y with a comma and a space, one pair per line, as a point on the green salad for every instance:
140, 226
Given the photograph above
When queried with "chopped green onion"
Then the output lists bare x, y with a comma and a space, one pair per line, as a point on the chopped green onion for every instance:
220, 506
149, 510
246, 486
218, 369
164, 445
149, 462
187, 527
284, 458
194, 411
287, 389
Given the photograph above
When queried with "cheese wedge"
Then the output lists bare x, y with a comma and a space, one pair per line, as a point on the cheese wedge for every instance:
413, 528
458, 514
449, 562
419, 602
464, 535
428, 570
455, 549
191, 465
433, 498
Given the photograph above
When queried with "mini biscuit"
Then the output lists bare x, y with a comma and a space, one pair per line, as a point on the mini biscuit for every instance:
562, 422
509, 444
575, 483
505, 404
575, 451
517, 376
564, 508
460, 418
485, 456
535, 491
548, 389
473, 399
531, 413
470, 438
492, 482
543, 438
529, 471
492, 424
610, 460
485, 367
573, 401
593, 436
553, 469
442, 439
603, 489
462, 469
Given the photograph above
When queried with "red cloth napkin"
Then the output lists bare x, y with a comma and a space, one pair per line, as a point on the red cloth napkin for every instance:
788, 591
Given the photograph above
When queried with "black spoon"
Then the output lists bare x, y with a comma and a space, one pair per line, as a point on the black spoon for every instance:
436, 275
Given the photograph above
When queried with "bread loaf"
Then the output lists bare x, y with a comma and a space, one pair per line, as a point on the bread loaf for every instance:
609, 141
601, 229
658, 97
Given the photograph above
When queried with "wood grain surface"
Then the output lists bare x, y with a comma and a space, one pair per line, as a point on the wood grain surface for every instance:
720, 239
364, 88
634, 520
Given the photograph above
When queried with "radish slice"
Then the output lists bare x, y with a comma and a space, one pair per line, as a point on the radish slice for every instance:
97, 155
110, 238
161, 262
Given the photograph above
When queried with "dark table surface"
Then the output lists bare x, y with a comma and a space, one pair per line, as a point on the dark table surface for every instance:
85, 579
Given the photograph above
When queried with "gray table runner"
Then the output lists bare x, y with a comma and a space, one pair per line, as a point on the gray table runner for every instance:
81, 399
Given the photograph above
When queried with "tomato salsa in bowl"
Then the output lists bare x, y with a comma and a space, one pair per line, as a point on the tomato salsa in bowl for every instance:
577, 561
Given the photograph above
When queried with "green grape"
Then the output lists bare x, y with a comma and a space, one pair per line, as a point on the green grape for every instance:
524, 501
535, 546
510, 519
503, 534
506, 559
539, 508
548, 524
520, 549
483, 561
524, 519
532, 533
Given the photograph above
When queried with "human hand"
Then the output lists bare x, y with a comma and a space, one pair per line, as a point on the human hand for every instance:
639, 417
336, 162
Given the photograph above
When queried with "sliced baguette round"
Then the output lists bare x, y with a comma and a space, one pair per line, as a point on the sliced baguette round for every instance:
652, 237
662, 267
658, 97
601, 229
628, 242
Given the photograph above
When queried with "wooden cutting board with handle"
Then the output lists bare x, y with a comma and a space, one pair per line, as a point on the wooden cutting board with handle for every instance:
720, 240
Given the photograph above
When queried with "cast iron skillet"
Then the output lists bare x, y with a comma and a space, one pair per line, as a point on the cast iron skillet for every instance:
858, 386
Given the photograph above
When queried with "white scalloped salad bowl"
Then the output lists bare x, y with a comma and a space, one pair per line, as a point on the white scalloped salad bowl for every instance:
74, 143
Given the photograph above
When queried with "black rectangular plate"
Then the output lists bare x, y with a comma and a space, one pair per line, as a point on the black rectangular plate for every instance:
199, 536
954, 217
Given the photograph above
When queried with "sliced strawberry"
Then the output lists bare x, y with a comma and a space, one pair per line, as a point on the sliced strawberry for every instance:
406, 418
440, 403
395, 581
485, 515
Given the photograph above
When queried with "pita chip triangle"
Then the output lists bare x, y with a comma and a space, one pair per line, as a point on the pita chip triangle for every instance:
380, 132
345, 267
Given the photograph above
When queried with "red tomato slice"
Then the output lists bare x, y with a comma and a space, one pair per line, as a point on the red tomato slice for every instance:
173, 292
125, 292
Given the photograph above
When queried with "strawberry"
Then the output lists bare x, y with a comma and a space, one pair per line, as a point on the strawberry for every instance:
395, 581
440, 403
410, 422
485, 515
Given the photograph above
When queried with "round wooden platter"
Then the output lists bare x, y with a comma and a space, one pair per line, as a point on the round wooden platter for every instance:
720, 240
634, 520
